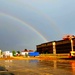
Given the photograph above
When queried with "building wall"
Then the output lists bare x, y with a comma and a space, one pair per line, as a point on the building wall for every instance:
74, 44
45, 48
61, 46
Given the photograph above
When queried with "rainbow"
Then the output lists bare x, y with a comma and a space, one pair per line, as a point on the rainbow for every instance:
49, 19
25, 24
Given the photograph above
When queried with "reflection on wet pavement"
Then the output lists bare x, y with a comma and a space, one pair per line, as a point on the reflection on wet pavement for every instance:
39, 67
4, 71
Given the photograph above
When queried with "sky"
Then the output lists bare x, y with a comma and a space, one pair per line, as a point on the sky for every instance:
27, 23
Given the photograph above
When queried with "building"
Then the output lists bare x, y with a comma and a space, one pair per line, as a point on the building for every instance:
7, 54
57, 47
24, 53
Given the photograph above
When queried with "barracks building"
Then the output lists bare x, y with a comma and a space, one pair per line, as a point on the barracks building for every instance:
56, 47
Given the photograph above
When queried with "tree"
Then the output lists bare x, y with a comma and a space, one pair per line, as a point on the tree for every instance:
14, 53
25, 50
18, 52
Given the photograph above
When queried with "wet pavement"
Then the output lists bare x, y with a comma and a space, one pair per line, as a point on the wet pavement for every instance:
38, 67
